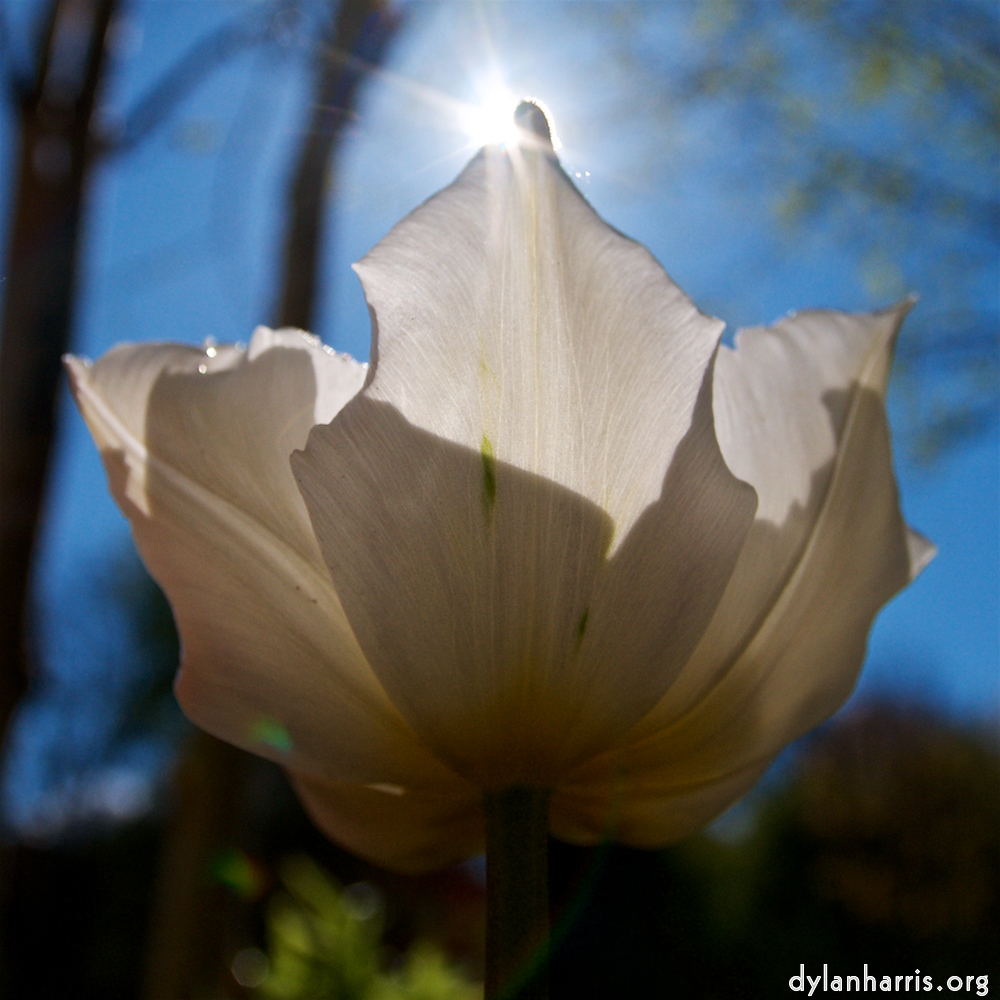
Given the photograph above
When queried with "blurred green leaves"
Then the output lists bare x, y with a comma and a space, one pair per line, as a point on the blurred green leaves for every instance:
872, 128
325, 944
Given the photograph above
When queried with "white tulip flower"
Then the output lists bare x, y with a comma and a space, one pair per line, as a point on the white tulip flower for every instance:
556, 537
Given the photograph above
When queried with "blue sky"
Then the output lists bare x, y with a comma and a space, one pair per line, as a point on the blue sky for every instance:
184, 234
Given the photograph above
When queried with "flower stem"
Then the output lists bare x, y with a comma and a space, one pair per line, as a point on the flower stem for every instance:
517, 894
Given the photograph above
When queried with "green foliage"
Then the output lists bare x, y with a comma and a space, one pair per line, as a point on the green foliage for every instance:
325, 944
425, 975
873, 125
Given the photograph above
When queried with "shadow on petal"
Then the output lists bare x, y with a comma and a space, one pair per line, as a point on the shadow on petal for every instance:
733, 710
483, 599
199, 464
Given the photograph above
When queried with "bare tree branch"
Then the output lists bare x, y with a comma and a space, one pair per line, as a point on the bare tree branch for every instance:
843, 168
15, 79
41, 274
240, 34
189, 924
354, 44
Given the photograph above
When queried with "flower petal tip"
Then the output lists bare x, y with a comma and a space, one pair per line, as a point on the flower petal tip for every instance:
921, 551
76, 367
533, 126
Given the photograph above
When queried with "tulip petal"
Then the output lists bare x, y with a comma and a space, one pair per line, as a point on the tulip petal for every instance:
196, 449
788, 639
647, 815
399, 829
508, 313
525, 512
782, 400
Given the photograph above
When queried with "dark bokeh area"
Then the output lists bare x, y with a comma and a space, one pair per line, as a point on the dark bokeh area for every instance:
879, 845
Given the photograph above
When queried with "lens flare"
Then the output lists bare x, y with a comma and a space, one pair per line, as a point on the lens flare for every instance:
273, 734
239, 872
491, 121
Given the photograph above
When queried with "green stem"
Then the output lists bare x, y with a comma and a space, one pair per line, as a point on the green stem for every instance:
517, 894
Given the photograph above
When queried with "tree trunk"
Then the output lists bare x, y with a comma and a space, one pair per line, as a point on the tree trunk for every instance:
40, 281
187, 940
354, 43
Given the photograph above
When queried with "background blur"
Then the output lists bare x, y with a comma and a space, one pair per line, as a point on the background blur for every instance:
187, 169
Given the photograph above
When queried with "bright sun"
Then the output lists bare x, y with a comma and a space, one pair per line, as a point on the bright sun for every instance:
491, 121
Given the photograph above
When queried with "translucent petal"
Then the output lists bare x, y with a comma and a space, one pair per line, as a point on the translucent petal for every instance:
196, 449
509, 315
525, 513
782, 401
400, 829
789, 637
647, 815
